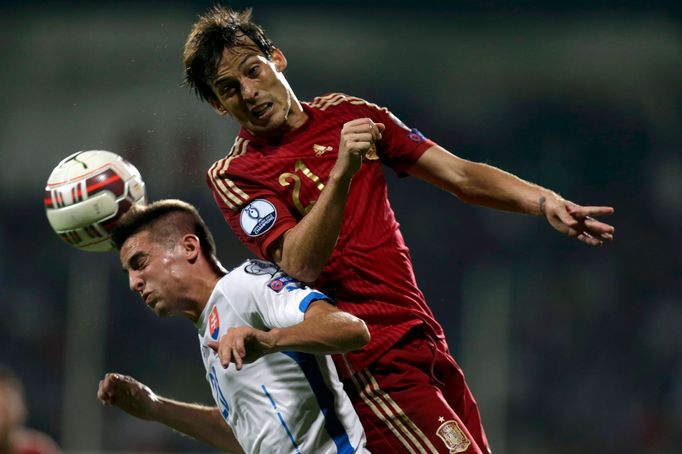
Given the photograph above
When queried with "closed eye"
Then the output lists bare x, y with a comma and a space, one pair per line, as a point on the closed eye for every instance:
136, 262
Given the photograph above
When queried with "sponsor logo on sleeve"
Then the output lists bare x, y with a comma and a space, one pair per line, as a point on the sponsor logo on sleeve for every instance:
416, 136
258, 217
214, 323
283, 281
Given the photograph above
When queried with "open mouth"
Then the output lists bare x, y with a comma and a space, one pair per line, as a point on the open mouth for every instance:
261, 110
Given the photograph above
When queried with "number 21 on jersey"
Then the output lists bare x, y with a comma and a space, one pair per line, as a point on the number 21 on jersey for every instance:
288, 178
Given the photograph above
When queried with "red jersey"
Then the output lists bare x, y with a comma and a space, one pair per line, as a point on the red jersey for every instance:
264, 187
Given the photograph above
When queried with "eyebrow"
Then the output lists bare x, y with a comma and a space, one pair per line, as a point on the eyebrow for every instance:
227, 78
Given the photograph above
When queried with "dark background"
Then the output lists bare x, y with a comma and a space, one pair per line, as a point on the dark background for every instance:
569, 349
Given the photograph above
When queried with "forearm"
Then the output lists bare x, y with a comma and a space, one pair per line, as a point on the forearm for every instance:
481, 184
492, 187
305, 249
203, 423
336, 332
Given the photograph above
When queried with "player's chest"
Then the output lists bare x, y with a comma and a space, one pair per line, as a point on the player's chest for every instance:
300, 171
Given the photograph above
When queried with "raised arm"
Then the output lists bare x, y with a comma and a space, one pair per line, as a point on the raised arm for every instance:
324, 330
481, 184
303, 251
203, 423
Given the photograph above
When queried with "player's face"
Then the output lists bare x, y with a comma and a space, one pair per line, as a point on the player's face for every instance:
253, 90
157, 272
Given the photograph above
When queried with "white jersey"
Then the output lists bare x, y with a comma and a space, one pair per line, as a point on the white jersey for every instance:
286, 402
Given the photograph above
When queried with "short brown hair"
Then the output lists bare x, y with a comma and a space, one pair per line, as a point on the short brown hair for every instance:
218, 29
166, 221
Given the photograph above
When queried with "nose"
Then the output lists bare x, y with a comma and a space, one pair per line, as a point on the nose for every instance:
135, 282
249, 89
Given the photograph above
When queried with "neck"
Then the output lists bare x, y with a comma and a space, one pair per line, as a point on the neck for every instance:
204, 285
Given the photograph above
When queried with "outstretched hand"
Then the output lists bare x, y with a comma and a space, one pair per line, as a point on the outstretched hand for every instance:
128, 394
242, 345
577, 221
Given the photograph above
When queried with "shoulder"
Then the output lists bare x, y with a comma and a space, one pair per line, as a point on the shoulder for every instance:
238, 150
230, 176
249, 274
342, 101
254, 267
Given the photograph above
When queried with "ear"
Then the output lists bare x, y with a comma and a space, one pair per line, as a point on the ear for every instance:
218, 107
191, 247
279, 59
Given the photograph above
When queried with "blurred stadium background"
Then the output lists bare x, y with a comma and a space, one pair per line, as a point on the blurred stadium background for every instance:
568, 349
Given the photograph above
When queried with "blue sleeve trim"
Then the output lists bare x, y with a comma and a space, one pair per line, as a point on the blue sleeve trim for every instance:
313, 296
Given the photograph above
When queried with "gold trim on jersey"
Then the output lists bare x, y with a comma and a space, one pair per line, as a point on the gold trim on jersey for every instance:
388, 411
228, 191
322, 102
334, 99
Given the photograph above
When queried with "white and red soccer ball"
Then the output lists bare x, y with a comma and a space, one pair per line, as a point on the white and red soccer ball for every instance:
87, 193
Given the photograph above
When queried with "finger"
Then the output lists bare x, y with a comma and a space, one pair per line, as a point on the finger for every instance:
598, 227
240, 351
213, 345
379, 129
567, 220
237, 359
109, 382
358, 123
100, 391
364, 137
240, 346
587, 239
226, 357
363, 125
583, 212
107, 397
103, 386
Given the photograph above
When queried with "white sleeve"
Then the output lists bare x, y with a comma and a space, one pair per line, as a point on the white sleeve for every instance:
282, 300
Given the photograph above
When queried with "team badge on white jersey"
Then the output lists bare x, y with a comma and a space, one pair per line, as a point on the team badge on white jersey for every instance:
258, 217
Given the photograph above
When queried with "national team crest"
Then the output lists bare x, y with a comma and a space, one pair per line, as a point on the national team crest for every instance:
214, 323
453, 437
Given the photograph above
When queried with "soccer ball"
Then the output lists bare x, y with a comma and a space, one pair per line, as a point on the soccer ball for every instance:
87, 193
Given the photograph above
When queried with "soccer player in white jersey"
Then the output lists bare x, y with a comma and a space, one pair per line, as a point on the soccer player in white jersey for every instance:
263, 338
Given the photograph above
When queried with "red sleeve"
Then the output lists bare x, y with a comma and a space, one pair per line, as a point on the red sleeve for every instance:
400, 146
256, 216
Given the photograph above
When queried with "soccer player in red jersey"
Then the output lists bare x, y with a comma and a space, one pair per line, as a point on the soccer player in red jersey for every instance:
303, 186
